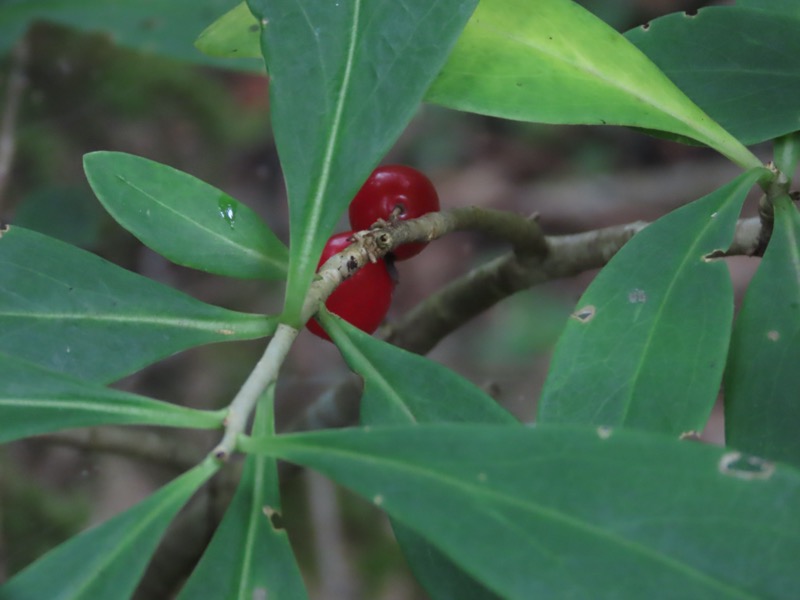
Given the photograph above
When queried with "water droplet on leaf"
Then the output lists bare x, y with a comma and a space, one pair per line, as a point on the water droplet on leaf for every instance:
227, 210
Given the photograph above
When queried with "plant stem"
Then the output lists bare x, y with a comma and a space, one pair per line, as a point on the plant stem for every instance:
524, 234
420, 329
263, 375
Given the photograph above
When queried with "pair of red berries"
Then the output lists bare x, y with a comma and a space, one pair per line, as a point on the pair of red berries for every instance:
392, 192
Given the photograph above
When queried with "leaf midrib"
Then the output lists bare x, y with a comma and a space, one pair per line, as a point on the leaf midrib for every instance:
264, 258
690, 256
373, 375
154, 411
225, 328
313, 215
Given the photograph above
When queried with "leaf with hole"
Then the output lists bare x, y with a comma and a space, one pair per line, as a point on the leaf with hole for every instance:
762, 379
108, 560
71, 311
249, 557
184, 219
646, 345
345, 79
567, 512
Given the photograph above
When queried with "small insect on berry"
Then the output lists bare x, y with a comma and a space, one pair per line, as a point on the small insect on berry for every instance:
394, 192
362, 300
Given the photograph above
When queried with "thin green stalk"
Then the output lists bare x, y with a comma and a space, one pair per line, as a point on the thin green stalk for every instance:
263, 375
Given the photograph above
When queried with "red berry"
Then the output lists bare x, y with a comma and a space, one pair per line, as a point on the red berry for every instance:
394, 187
362, 300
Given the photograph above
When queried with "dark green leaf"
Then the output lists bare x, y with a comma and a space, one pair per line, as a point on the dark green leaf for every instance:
646, 346
249, 557
234, 35
107, 561
762, 412
781, 7
401, 388
562, 512
345, 78
34, 400
434, 571
71, 311
738, 64
166, 27
787, 153
190, 222
552, 61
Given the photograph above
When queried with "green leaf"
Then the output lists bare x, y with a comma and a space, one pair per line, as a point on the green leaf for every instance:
234, 35
646, 346
730, 60
34, 400
71, 311
554, 62
434, 571
166, 27
782, 7
401, 387
562, 512
405, 388
762, 414
186, 220
248, 557
345, 79
107, 561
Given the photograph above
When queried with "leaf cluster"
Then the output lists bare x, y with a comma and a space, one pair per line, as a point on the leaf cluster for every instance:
602, 498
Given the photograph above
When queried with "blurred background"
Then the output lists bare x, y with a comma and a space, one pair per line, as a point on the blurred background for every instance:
65, 92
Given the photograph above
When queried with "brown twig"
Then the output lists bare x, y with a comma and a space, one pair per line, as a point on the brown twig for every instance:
524, 234
464, 298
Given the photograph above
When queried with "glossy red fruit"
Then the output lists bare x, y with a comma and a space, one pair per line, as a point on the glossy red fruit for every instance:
394, 187
362, 300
